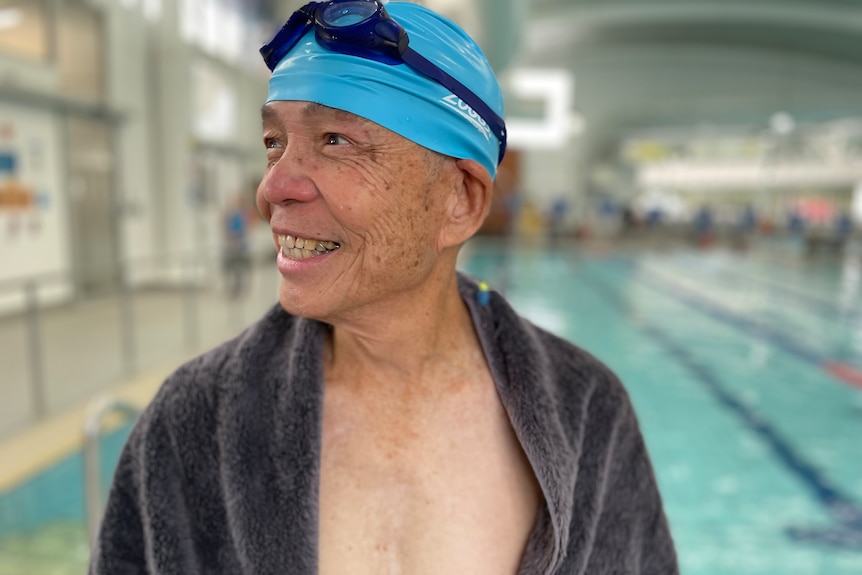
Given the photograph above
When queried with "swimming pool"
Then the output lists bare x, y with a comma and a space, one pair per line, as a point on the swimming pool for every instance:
42, 522
745, 373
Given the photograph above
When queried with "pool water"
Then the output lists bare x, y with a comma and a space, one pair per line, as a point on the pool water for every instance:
745, 374
42, 522
745, 371
57, 548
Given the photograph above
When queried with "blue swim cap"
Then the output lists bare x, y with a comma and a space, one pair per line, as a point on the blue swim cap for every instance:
396, 96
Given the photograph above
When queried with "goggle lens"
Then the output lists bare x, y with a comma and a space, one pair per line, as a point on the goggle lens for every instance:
343, 14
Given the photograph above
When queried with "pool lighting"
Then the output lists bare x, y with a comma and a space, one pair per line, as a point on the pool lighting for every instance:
10, 18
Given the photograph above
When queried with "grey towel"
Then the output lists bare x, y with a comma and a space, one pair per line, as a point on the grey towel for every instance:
220, 475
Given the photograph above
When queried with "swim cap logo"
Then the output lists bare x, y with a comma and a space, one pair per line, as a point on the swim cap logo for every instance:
469, 114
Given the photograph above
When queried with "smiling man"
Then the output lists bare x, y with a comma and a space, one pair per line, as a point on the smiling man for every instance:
389, 416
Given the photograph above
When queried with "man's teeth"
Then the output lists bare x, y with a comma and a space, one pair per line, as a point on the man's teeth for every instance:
297, 248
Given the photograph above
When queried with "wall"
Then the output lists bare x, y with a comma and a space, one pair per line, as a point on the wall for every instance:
32, 212
130, 94
146, 84
199, 168
33, 222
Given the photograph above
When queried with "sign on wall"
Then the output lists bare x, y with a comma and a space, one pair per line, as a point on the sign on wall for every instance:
33, 226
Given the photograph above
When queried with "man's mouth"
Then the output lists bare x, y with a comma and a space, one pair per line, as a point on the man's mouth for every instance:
296, 248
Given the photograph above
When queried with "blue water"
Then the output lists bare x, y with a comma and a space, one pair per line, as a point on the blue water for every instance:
56, 495
757, 449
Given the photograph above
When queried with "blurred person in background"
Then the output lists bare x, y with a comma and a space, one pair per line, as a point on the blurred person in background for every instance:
237, 222
843, 229
795, 222
390, 415
557, 218
746, 226
628, 219
704, 223
654, 218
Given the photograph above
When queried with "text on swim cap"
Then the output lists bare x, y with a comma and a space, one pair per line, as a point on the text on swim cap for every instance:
463, 109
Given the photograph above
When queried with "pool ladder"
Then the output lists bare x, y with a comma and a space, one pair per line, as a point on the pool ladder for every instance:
96, 414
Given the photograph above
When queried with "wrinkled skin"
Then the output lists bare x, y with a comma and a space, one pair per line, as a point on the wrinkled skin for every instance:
334, 176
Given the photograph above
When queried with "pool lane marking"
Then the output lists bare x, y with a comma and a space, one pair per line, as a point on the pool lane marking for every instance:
844, 372
846, 514
812, 302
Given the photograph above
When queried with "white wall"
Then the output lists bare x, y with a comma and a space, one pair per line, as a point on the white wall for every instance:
24, 74
130, 93
547, 174
33, 239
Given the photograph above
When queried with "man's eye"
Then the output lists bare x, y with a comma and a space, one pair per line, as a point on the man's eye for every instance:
336, 140
271, 143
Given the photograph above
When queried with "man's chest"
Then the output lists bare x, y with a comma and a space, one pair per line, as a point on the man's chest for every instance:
450, 492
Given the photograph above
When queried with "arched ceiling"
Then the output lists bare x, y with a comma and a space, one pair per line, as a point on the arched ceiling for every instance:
685, 63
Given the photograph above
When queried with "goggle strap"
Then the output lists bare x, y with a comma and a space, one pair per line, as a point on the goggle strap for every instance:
494, 121
295, 28
275, 50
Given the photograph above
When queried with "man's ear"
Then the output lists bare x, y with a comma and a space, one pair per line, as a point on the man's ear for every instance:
468, 203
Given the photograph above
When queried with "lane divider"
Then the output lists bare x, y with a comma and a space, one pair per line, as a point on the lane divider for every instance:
845, 532
844, 372
812, 302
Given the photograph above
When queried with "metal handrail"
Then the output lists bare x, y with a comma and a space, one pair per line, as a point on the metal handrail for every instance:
28, 295
96, 414
31, 286
21, 282
66, 275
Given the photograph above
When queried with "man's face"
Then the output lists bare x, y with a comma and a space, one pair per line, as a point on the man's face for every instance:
362, 206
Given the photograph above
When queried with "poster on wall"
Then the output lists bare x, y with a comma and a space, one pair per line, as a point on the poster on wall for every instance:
33, 235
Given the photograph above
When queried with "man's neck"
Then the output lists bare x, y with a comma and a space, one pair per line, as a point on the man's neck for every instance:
417, 339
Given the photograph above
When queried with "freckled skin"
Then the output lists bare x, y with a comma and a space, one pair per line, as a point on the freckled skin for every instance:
375, 193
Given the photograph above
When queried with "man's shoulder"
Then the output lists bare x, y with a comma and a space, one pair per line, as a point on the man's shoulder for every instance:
569, 375
581, 384
572, 363
197, 389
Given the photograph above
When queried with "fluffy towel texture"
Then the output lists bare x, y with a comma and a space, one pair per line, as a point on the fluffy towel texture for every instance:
220, 475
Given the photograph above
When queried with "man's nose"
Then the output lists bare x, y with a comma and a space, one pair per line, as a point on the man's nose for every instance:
289, 179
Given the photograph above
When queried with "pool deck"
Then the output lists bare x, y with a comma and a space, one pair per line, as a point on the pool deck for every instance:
84, 360
30, 451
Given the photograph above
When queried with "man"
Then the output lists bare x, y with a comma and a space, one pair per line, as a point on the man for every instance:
237, 255
389, 416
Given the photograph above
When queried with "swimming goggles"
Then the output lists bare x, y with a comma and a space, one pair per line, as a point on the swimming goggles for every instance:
363, 28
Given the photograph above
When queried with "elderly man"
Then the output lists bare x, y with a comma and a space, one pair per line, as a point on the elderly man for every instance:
389, 416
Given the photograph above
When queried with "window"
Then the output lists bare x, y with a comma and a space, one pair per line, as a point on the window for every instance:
24, 30
218, 27
152, 9
80, 51
214, 103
